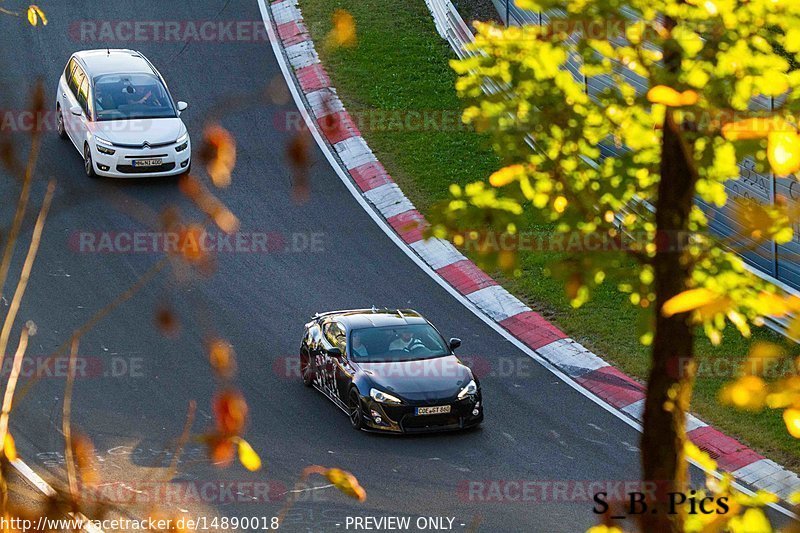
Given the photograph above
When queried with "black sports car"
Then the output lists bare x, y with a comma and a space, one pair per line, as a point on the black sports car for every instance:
390, 370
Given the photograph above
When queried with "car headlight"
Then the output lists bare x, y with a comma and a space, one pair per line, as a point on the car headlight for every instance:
469, 390
183, 142
103, 146
383, 397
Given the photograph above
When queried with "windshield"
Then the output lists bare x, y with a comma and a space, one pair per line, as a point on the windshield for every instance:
401, 343
130, 96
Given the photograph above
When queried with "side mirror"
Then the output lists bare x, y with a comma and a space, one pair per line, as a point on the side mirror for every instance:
76, 110
182, 106
454, 343
334, 352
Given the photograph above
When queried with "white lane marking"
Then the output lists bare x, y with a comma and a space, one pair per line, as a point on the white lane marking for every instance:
571, 357
355, 152
692, 422
302, 54
389, 200
497, 302
636, 409
286, 12
324, 102
390, 233
436, 254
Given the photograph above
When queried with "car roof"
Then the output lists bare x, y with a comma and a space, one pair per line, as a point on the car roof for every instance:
375, 318
114, 61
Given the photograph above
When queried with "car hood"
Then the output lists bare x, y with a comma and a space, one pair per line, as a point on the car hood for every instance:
424, 379
135, 132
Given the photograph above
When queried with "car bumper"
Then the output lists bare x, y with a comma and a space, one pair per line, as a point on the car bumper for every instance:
122, 164
403, 418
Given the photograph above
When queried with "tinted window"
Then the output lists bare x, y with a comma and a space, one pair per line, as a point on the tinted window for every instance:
83, 95
68, 73
76, 79
334, 334
131, 96
403, 343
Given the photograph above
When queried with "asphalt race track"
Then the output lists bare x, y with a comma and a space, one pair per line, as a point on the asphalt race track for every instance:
537, 428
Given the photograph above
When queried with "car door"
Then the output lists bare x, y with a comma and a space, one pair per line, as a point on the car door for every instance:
82, 122
64, 91
333, 337
72, 123
344, 369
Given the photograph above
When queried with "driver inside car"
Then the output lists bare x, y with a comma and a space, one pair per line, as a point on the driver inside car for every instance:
406, 341
130, 96
359, 350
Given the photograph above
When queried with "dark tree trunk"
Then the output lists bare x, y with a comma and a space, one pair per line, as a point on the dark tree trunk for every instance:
672, 373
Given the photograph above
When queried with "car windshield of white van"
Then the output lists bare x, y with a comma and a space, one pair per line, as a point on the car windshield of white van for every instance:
131, 96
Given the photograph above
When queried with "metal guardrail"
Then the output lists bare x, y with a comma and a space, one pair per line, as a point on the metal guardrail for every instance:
451, 27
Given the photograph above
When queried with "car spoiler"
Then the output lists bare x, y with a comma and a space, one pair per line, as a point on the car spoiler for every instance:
373, 309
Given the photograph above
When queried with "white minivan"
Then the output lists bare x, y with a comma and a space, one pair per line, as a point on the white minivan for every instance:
116, 109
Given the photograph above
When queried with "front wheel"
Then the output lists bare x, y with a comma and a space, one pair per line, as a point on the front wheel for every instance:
88, 165
356, 413
306, 370
62, 131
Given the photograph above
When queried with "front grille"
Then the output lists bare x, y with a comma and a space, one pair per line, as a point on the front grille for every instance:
411, 423
130, 169
141, 147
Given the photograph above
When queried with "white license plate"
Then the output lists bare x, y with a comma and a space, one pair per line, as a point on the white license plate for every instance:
146, 162
435, 410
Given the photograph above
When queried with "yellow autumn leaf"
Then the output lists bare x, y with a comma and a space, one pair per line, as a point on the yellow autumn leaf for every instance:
783, 152
699, 456
752, 520
791, 418
761, 355
344, 29
248, 456
602, 528
661, 94
10, 448
774, 305
218, 152
747, 392
688, 301
754, 218
506, 175
35, 14
754, 128
346, 483
560, 204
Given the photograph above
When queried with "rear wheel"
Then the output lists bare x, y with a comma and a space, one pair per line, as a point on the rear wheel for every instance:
88, 164
356, 413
